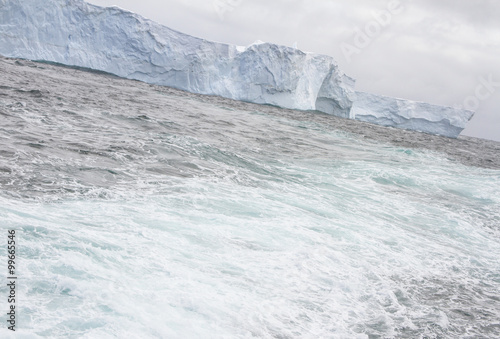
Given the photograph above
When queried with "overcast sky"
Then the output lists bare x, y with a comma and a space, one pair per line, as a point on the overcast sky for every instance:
444, 52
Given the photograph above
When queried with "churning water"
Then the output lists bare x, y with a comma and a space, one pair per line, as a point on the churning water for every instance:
147, 212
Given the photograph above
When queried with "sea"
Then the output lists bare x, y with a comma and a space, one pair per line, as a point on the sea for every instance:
142, 211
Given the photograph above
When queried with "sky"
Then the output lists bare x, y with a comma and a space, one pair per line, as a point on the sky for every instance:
445, 52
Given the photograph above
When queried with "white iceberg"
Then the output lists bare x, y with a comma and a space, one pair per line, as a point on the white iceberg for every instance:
412, 115
75, 33
113, 40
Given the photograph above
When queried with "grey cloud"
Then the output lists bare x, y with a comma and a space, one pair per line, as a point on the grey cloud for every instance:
478, 12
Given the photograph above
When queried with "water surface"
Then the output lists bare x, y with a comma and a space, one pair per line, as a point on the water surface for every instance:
144, 211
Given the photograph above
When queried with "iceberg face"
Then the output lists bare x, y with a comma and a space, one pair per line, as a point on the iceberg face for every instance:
73, 32
412, 115
113, 40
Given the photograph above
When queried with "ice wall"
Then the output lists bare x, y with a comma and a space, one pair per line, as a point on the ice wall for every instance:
73, 32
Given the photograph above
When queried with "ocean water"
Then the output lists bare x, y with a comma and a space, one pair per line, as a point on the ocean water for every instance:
147, 212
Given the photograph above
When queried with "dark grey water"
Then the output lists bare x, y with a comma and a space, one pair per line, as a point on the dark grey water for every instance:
145, 211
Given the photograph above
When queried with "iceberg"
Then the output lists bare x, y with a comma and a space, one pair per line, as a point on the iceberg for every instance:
75, 33
411, 115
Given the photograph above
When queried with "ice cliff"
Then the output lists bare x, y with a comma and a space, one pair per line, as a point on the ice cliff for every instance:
75, 33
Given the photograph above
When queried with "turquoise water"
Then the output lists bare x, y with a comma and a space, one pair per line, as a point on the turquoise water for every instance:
148, 213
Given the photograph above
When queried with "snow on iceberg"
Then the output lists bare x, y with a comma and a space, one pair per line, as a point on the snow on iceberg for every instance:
75, 33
